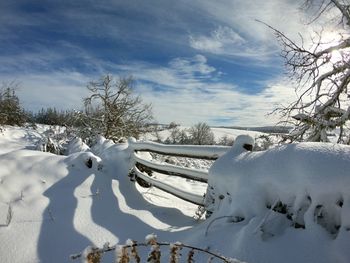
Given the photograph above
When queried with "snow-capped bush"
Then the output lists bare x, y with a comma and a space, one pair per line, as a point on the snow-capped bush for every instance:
83, 160
77, 145
296, 185
49, 145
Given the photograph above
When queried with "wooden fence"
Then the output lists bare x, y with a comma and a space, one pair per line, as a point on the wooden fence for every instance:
140, 165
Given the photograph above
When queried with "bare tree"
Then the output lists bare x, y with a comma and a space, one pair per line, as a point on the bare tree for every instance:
177, 136
201, 134
226, 140
322, 71
112, 110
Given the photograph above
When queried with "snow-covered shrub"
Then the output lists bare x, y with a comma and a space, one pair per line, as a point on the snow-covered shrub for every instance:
295, 185
201, 134
226, 140
101, 144
77, 145
263, 142
49, 145
178, 136
83, 160
54, 139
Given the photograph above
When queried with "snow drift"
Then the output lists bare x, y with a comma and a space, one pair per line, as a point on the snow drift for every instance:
288, 204
298, 187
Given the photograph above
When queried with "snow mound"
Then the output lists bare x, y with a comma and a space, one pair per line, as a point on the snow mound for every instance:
295, 187
81, 160
77, 145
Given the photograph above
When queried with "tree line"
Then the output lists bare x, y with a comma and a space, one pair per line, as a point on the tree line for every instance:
320, 70
198, 134
112, 110
11, 113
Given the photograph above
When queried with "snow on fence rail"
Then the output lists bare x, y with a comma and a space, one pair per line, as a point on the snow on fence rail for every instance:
189, 151
207, 152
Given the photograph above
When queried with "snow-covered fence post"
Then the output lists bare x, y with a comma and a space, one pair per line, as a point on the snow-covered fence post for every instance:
213, 199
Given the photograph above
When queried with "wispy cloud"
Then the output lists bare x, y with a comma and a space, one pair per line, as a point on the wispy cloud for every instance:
189, 98
219, 40
179, 73
199, 60
191, 66
238, 33
225, 41
186, 90
62, 90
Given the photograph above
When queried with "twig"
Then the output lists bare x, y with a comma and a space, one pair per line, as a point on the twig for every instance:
215, 219
111, 248
9, 215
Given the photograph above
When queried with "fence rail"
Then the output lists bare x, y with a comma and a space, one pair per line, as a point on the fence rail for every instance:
188, 151
206, 152
169, 169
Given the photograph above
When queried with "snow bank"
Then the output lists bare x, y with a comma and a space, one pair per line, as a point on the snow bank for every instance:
295, 187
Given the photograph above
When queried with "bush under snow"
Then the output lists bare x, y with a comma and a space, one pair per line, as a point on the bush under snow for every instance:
303, 185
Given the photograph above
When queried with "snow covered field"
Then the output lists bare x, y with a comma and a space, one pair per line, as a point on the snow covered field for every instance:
60, 206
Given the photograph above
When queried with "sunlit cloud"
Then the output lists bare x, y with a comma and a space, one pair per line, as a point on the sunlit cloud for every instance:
201, 60
224, 41
189, 99
61, 90
220, 39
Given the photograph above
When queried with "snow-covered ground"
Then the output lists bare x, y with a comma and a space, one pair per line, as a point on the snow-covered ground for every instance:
60, 206
218, 133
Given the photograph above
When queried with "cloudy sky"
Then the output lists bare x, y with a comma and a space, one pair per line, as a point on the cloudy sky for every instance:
198, 60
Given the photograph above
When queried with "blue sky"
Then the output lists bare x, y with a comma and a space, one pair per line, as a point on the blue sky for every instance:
198, 60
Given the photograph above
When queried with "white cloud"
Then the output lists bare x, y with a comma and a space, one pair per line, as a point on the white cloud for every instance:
239, 34
220, 39
187, 90
188, 99
62, 90
225, 41
180, 74
190, 66
223, 102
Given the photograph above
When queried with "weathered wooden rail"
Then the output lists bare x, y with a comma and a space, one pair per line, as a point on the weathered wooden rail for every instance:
188, 151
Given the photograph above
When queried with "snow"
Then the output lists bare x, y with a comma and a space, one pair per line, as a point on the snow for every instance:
198, 174
77, 145
60, 212
218, 133
311, 181
190, 150
61, 205
150, 237
176, 191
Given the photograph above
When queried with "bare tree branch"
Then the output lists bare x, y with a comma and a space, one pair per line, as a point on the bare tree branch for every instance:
322, 72
113, 111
